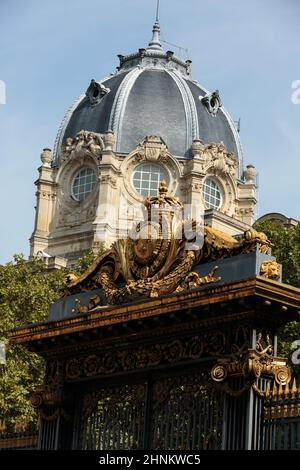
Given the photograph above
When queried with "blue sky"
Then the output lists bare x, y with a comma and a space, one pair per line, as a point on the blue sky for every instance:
50, 50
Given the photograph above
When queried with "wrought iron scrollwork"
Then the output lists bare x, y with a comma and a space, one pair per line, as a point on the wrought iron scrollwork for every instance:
187, 413
113, 417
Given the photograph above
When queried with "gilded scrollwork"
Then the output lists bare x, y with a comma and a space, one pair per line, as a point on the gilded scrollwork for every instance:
261, 238
251, 366
264, 343
159, 254
94, 302
193, 280
213, 344
109, 398
90, 402
136, 358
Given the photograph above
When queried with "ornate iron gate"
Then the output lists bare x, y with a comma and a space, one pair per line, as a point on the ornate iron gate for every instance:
186, 414
172, 413
113, 418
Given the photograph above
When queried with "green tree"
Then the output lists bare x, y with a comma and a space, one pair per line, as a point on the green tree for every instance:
87, 259
26, 291
286, 249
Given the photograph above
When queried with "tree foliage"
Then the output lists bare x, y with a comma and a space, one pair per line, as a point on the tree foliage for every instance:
87, 259
286, 249
26, 291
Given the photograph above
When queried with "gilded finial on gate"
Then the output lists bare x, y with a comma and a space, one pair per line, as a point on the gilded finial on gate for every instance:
163, 189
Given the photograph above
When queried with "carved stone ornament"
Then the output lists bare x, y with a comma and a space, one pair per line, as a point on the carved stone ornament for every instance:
152, 149
70, 217
85, 143
270, 269
158, 256
196, 147
96, 91
212, 102
46, 157
108, 179
216, 158
250, 174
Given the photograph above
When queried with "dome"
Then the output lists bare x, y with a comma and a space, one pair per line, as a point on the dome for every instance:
151, 93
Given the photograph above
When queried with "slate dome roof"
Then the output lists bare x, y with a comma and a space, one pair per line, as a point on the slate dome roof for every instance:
151, 93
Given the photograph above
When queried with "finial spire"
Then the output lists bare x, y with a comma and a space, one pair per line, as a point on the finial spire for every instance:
155, 43
163, 189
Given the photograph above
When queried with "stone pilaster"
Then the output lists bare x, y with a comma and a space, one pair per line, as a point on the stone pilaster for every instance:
46, 196
246, 202
107, 214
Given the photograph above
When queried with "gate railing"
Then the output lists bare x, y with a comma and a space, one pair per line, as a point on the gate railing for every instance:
281, 429
22, 436
278, 429
14, 441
